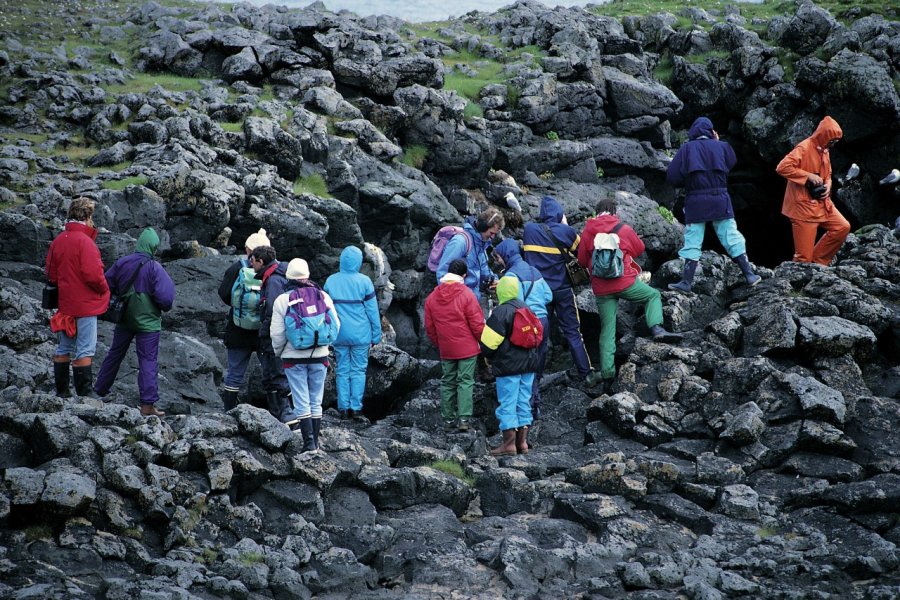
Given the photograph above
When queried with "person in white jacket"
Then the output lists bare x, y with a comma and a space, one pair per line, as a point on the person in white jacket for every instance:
304, 367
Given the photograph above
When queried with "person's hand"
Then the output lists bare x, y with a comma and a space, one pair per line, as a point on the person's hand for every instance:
814, 179
715, 134
493, 284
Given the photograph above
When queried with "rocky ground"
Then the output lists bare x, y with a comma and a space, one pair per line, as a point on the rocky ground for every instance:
758, 458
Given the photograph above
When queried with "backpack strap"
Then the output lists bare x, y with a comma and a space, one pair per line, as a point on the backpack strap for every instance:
133, 278
562, 249
617, 227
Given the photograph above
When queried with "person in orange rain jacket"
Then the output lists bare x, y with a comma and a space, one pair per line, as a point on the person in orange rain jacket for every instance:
807, 198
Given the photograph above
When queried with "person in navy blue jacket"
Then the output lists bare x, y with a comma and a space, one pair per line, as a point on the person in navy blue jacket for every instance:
701, 166
154, 292
354, 299
536, 295
273, 276
480, 231
542, 241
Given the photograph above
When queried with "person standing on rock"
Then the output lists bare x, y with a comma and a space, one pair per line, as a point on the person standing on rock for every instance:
241, 288
536, 295
305, 368
701, 166
271, 274
74, 265
353, 295
454, 323
153, 293
472, 246
544, 245
807, 198
513, 366
628, 286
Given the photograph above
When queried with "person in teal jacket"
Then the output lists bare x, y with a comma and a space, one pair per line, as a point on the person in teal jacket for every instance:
535, 292
354, 299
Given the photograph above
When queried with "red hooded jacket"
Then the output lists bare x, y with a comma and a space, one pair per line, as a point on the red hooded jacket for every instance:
630, 244
454, 321
74, 265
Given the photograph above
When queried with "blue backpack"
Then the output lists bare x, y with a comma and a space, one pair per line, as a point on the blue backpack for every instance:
245, 298
307, 321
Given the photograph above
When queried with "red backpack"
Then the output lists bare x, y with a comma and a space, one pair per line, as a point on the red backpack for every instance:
527, 331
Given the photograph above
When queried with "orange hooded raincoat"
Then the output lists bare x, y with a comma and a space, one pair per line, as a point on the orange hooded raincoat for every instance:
809, 156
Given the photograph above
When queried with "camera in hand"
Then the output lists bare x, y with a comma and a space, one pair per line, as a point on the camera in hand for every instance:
819, 192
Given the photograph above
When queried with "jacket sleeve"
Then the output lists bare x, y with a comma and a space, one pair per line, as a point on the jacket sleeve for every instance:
584, 250
789, 167
493, 335
371, 308
430, 329
730, 157
630, 242
276, 327
455, 248
546, 294
92, 269
228, 282
163, 288
50, 269
474, 316
674, 176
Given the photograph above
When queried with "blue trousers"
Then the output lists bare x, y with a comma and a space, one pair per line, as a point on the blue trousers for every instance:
564, 311
350, 375
236, 369
147, 348
514, 394
307, 384
542, 362
727, 232
273, 378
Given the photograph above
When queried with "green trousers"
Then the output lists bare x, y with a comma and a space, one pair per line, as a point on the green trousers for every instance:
607, 307
457, 383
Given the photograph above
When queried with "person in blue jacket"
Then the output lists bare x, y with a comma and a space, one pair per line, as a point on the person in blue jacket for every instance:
701, 166
154, 292
480, 231
542, 242
354, 299
536, 295
273, 275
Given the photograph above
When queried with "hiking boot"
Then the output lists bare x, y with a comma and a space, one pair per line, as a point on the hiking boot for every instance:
508, 446
660, 334
343, 413
351, 414
150, 410
687, 278
229, 399
463, 424
522, 440
449, 425
593, 379
747, 269
536, 412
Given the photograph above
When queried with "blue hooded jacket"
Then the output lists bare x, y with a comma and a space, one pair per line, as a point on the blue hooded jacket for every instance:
701, 166
476, 260
531, 282
353, 295
542, 252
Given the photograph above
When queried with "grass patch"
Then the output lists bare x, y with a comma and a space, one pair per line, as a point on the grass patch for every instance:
702, 59
14, 136
414, 156
248, 559
552, 136
486, 72
120, 184
143, 82
207, 556
666, 214
472, 110
232, 127
311, 184
455, 469
116, 168
663, 71
766, 532
38, 532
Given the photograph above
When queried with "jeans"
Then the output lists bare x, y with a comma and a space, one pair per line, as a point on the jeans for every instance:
514, 397
307, 384
566, 314
350, 375
607, 307
727, 232
457, 383
147, 348
84, 343
236, 369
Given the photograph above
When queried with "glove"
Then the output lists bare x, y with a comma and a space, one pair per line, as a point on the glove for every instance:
512, 202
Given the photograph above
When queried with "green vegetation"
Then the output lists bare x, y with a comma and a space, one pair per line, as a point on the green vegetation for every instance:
546, 175
248, 559
143, 82
472, 110
232, 127
512, 96
552, 136
766, 532
455, 469
663, 71
600, 173
666, 214
414, 156
208, 556
116, 168
701, 59
120, 184
38, 532
311, 184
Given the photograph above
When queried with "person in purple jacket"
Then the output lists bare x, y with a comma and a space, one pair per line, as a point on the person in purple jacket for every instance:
153, 292
701, 166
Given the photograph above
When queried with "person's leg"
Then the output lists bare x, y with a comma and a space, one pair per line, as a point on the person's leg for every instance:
147, 347
837, 228
359, 363
642, 293
278, 391
693, 241
449, 389
507, 395
465, 384
299, 416
315, 378
567, 314
542, 362
523, 400
62, 357
85, 347
731, 239
342, 376
606, 310
113, 360
804, 240
238, 359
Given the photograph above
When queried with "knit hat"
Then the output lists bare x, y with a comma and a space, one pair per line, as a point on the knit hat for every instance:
257, 239
297, 269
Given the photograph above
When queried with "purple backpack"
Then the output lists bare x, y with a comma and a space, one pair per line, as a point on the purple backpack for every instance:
441, 238
307, 320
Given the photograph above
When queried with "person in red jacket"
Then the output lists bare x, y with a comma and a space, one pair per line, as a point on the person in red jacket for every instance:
454, 322
74, 265
608, 291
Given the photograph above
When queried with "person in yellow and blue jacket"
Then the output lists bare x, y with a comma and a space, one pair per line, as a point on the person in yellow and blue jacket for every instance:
514, 368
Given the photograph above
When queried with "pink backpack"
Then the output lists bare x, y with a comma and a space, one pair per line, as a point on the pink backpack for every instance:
441, 238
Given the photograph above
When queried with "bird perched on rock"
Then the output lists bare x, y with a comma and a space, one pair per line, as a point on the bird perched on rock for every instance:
891, 178
852, 172
512, 202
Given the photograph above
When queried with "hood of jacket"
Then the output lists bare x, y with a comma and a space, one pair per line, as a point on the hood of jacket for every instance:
507, 289
148, 242
351, 259
82, 227
702, 127
551, 210
448, 290
508, 250
827, 130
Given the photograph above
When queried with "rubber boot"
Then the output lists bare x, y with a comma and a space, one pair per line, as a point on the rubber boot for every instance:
306, 432
747, 269
660, 334
276, 404
687, 277
61, 376
508, 447
229, 399
84, 381
316, 426
522, 439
